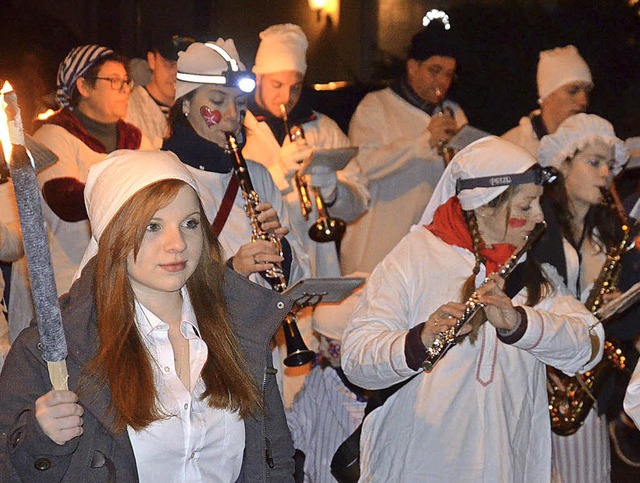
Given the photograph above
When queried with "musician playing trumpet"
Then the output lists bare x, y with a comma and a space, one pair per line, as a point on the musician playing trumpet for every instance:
583, 227
280, 67
481, 413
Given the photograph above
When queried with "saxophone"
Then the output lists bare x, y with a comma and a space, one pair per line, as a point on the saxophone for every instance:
275, 276
570, 406
446, 339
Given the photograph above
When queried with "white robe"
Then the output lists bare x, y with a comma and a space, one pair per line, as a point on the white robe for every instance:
524, 136
402, 171
482, 413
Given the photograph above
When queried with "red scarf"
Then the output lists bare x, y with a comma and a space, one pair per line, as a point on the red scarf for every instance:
129, 136
449, 225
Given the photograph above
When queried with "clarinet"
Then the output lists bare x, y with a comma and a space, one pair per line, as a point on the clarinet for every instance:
275, 275
446, 339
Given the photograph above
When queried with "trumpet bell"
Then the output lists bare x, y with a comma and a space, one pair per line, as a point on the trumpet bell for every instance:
327, 229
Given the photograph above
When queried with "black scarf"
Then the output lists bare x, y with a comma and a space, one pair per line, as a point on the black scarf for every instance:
300, 114
406, 92
194, 150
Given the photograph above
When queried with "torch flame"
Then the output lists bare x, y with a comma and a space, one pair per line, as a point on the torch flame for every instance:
4, 122
46, 115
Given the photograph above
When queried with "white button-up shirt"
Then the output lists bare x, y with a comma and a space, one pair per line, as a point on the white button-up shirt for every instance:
194, 442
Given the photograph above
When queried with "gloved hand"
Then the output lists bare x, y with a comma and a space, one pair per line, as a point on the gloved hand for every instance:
327, 182
290, 157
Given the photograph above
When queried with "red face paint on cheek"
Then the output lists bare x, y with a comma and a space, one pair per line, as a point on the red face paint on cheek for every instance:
211, 116
517, 222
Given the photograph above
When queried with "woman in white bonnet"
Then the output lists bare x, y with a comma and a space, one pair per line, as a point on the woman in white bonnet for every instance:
481, 414
583, 227
170, 374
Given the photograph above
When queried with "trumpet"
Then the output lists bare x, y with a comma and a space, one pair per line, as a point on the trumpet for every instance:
300, 182
326, 228
297, 352
444, 150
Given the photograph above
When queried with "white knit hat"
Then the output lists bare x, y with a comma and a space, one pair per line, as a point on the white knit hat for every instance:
574, 134
558, 67
282, 48
199, 59
113, 181
488, 156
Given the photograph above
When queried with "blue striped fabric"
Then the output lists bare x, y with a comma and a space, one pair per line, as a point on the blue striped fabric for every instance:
75, 65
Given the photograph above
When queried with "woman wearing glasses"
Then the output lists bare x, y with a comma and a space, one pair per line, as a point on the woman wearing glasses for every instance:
93, 89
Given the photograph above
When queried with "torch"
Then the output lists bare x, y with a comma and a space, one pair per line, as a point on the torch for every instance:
34, 234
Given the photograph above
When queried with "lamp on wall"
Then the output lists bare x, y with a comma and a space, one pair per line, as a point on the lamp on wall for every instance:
327, 7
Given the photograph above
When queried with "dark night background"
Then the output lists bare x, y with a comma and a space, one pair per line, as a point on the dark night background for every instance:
502, 40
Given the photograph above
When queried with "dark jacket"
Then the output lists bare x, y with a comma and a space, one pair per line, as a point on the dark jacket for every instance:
27, 454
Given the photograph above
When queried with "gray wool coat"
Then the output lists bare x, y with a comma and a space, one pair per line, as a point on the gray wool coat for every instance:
27, 454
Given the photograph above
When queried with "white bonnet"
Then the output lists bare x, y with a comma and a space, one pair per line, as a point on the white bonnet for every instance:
559, 66
282, 48
488, 156
202, 60
113, 181
574, 134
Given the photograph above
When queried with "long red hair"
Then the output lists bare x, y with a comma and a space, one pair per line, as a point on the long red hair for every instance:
122, 362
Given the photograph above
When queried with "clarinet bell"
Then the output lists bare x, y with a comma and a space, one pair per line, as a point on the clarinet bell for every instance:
298, 353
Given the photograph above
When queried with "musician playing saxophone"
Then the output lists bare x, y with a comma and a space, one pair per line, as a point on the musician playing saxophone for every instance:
204, 111
582, 230
480, 413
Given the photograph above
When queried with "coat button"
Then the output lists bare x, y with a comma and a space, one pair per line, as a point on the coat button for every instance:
280, 305
42, 464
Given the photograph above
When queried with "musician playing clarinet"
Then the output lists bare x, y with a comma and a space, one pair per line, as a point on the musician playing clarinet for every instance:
210, 102
583, 228
481, 413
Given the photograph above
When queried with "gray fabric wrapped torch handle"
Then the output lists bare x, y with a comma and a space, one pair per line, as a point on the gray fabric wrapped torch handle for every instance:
36, 248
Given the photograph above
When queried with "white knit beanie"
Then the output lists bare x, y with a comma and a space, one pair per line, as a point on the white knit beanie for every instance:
282, 48
558, 67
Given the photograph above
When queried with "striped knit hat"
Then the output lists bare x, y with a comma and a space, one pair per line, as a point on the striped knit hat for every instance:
75, 65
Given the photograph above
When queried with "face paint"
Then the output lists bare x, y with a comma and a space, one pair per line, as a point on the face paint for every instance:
211, 117
517, 222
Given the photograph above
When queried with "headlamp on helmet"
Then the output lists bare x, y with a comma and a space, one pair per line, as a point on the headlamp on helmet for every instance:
232, 77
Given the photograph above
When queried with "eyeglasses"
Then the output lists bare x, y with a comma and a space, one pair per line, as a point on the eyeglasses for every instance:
117, 83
